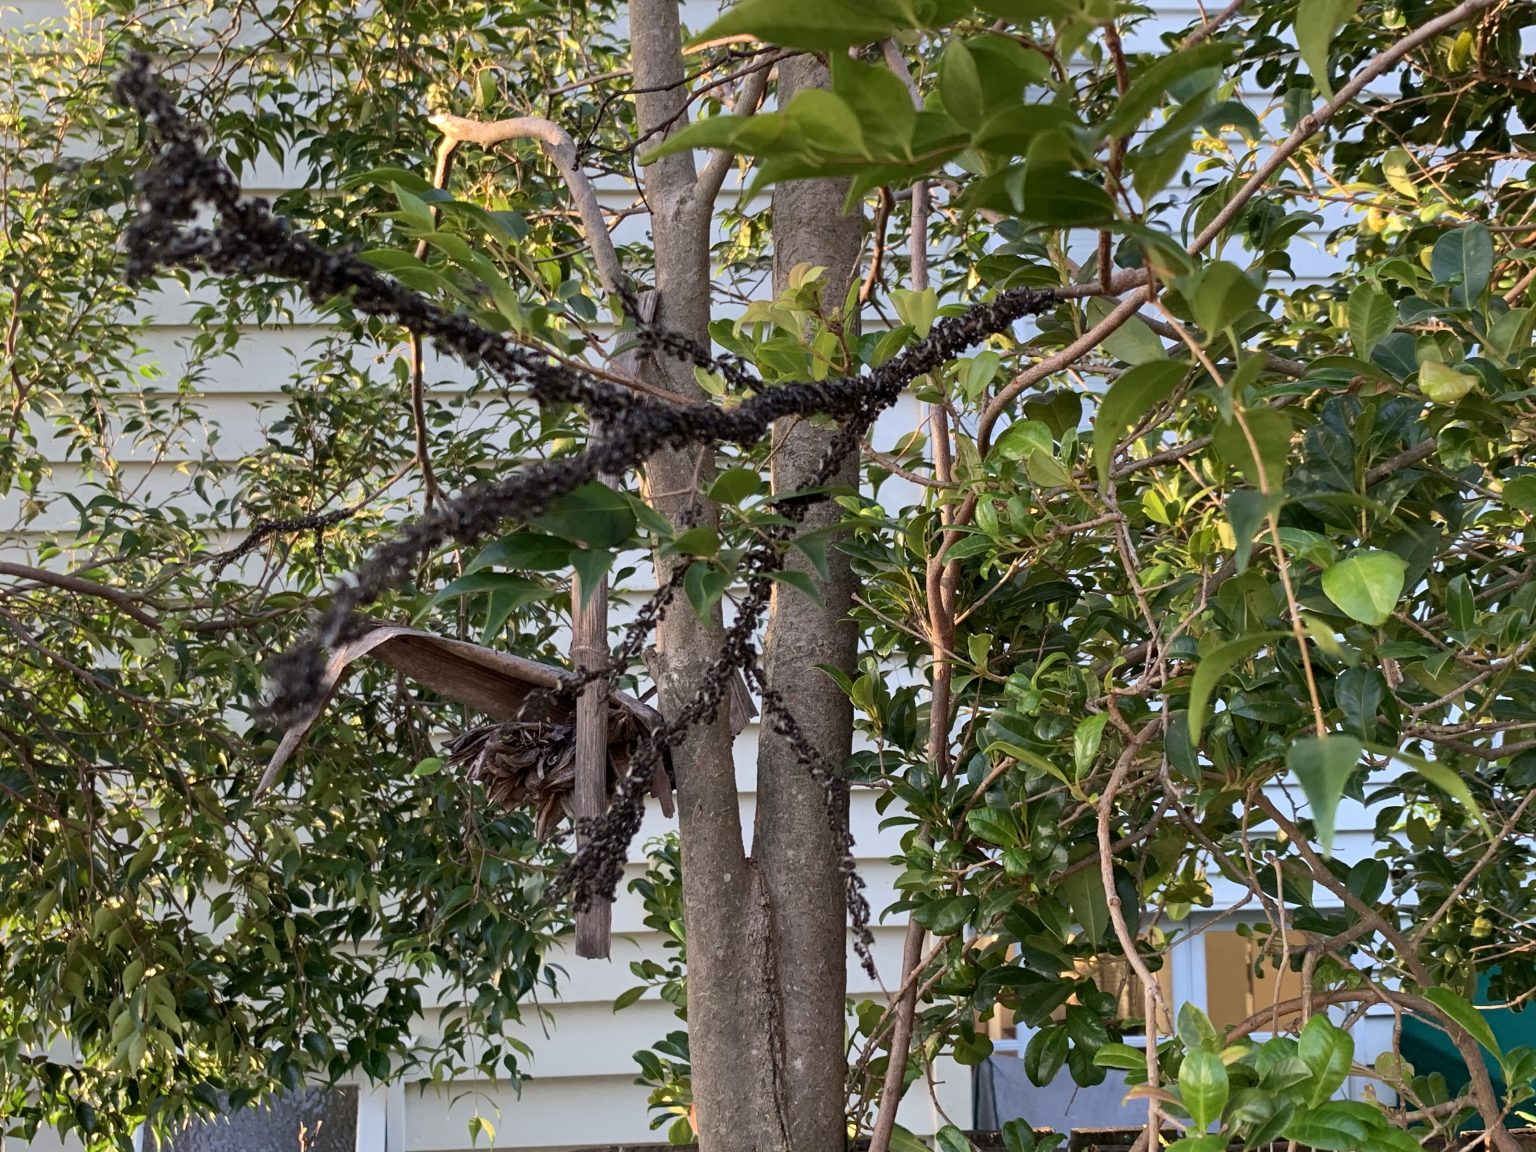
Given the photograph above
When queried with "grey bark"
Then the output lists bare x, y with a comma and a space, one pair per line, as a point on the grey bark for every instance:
796, 850
732, 1056
766, 936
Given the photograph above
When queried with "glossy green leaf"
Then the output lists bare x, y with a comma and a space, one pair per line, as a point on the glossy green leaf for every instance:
1084, 893
594, 515
1044, 1055
1328, 1052
1203, 1086
1219, 295
735, 485
1463, 260
1086, 740
1367, 585
1371, 316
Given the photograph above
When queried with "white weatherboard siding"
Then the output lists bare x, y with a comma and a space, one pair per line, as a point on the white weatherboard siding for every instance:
582, 1091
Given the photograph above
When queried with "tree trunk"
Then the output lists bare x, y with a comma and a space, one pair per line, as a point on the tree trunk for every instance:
766, 936
735, 1082
797, 852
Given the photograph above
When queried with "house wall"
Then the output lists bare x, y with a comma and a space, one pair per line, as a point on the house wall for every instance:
582, 1091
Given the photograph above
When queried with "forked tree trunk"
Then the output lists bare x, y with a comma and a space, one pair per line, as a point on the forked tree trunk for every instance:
766, 937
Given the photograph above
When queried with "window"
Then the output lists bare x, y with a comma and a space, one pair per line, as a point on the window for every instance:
1246, 974
319, 1120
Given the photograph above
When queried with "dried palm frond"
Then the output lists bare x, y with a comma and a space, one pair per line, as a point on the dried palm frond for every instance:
526, 756
531, 764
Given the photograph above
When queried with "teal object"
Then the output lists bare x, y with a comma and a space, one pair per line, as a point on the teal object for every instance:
1428, 1049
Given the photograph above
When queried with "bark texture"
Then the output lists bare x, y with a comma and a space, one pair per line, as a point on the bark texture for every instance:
733, 1057
796, 851
766, 935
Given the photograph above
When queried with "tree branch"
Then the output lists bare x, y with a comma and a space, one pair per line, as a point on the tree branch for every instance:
718, 166
127, 601
1313, 124
559, 146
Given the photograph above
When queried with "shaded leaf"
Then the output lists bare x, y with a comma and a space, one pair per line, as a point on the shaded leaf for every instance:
1323, 766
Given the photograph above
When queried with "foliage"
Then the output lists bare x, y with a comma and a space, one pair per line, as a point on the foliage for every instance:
1203, 528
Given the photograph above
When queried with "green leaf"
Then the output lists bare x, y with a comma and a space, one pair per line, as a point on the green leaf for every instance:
1323, 766
1397, 168
1086, 740
627, 997
1203, 1087
1317, 23
594, 515
1249, 511
903, 1141
1271, 432
431, 766
1212, 667
1367, 585
702, 541
704, 584
526, 550
1327, 1051
1218, 295
1121, 1056
1152, 82
1195, 1029
916, 310
1129, 399
1510, 335
1520, 493
1022, 439
946, 917
1132, 342
735, 485
1371, 316
1046, 471
1460, 605
1444, 384
1464, 1014
1084, 893
811, 25
882, 104
801, 582
960, 87
591, 566
1336, 1126
951, 1139
1053, 194
1045, 1053
1463, 260
827, 124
